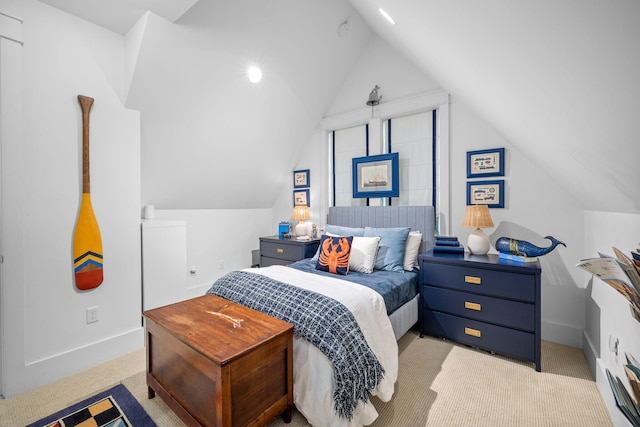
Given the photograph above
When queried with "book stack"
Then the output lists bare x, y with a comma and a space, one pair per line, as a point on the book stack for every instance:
517, 258
448, 245
624, 399
632, 369
620, 272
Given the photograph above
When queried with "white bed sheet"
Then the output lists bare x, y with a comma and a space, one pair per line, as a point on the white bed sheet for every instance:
313, 382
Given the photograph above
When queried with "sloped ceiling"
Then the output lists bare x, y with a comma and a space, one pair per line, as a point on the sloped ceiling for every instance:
212, 139
120, 15
558, 79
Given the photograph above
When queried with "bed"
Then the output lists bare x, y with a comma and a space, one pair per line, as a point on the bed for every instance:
385, 308
417, 218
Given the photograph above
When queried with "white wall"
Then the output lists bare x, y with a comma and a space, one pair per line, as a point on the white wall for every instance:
43, 315
608, 312
218, 241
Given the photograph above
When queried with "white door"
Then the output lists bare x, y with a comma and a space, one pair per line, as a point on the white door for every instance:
10, 84
164, 262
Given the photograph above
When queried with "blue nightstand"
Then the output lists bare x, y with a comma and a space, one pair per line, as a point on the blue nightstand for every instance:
276, 251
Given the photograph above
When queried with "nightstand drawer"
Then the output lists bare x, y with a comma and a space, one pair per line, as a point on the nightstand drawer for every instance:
483, 281
503, 312
266, 261
282, 251
502, 340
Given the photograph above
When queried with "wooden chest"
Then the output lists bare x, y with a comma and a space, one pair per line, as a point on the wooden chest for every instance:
217, 363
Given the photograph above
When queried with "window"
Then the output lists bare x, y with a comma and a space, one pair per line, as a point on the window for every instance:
413, 137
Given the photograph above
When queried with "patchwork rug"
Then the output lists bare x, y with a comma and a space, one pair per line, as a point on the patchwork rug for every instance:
115, 407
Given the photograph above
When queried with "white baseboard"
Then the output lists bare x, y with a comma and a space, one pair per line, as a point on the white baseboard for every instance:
591, 353
39, 372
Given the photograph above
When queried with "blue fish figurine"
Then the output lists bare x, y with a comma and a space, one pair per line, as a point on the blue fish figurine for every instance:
507, 245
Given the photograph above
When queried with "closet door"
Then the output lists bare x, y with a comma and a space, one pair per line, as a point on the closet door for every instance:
10, 162
164, 263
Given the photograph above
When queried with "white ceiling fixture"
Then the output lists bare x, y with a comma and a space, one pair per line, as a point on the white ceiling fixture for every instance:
387, 16
343, 29
255, 74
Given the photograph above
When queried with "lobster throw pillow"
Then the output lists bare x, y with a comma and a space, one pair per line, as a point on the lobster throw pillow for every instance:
334, 254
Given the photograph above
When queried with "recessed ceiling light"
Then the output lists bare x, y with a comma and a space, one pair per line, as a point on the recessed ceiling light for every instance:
387, 16
255, 75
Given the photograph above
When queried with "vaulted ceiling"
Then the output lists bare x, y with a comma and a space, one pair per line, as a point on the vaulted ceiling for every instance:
559, 79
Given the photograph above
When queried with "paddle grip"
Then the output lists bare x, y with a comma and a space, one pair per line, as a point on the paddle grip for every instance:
85, 104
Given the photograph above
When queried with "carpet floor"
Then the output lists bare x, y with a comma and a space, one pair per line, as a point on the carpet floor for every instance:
439, 384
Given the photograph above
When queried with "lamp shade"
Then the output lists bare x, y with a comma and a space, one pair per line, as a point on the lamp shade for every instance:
477, 216
301, 213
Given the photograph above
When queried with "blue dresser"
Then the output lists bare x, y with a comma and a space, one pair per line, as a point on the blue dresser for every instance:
482, 301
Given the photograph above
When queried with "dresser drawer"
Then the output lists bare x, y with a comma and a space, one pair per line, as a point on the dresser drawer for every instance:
499, 339
483, 281
503, 312
282, 251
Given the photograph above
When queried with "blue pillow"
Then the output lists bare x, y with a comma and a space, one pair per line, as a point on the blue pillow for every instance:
392, 247
339, 230
334, 254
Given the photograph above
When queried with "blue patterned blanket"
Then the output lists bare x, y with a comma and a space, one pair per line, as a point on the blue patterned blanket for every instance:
323, 321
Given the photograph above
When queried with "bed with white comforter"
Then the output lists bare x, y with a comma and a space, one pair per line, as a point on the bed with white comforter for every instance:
312, 370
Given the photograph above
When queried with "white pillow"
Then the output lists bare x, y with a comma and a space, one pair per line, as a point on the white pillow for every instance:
411, 250
363, 253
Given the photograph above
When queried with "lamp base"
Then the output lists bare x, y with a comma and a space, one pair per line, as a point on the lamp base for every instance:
301, 229
478, 242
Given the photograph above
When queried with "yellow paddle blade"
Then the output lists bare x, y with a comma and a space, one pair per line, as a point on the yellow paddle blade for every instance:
87, 247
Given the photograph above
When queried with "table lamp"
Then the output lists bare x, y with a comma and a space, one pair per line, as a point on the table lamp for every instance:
478, 216
301, 213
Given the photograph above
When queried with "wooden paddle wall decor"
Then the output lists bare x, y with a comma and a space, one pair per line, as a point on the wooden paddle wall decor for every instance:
87, 243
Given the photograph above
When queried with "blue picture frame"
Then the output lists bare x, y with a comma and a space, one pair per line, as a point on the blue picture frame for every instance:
489, 193
301, 198
376, 176
485, 163
302, 178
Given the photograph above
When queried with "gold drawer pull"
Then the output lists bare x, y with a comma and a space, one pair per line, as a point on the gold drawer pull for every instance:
280, 250
473, 332
472, 306
472, 279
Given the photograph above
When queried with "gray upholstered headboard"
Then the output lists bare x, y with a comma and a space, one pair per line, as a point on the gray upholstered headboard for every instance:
418, 218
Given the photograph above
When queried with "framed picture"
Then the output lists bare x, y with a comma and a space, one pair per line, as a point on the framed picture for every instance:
486, 193
376, 176
483, 163
301, 179
301, 197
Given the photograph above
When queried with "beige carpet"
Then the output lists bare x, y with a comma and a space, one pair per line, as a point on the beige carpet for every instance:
439, 384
